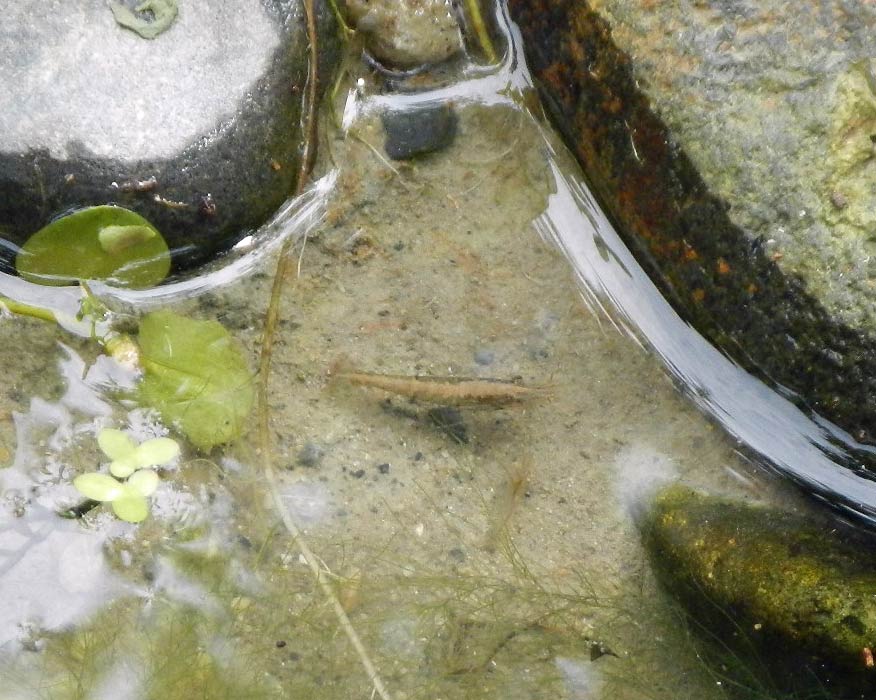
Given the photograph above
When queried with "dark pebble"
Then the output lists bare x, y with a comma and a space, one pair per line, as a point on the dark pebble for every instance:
457, 554
358, 474
310, 455
281, 643
417, 131
383, 468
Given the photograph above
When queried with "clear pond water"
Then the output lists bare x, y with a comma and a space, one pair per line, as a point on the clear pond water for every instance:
475, 553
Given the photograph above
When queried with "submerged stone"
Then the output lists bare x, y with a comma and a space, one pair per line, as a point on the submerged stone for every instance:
407, 33
414, 132
732, 145
771, 585
196, 129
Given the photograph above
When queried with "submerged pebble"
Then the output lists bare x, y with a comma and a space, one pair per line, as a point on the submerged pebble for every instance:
407, 33
414, 132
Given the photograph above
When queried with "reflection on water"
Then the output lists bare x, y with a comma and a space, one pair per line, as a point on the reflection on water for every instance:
763, 421
505, 565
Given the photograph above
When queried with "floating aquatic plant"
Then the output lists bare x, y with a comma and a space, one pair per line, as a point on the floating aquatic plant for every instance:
104, 242
131, 462
196, 376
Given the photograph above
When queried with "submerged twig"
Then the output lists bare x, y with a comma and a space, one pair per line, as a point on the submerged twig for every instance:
284, 268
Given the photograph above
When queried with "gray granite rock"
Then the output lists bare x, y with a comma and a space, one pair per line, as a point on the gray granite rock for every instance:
197, 129
775, 103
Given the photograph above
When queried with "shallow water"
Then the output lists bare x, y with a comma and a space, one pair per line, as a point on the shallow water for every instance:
479, 554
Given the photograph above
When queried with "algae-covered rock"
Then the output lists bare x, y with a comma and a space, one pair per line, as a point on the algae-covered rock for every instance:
731, 144
798, 594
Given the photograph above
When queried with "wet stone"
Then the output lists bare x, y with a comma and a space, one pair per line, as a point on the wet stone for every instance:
415, 132
196, 129
406, 33
738, 165
777, 591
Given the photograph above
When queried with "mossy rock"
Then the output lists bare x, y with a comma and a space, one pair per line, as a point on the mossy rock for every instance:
775, 589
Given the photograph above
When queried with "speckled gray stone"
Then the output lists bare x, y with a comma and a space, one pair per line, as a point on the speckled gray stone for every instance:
775, 102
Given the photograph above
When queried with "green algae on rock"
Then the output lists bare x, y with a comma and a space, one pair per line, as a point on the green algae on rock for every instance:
162, 12
770, 580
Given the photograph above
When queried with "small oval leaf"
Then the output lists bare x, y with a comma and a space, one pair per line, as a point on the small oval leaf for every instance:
132, 507
144, 482
124, 467
157, 451
98, 487
115, 444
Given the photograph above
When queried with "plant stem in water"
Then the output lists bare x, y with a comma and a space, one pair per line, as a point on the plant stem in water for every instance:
19, 309
473, 8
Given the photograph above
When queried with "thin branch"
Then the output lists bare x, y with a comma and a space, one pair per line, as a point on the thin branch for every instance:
284, 269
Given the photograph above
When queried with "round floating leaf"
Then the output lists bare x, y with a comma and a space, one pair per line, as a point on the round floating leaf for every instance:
106, 242
131, 507
115, 444
157, 451
99, 487
144, 482
196, 376
124, 467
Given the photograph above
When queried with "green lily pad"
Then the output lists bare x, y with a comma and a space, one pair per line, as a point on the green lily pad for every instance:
105, 242
99, 487
196, 376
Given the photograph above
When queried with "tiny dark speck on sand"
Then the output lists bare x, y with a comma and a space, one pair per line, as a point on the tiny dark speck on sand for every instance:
310, 455
383, 468
484, 357
358, 474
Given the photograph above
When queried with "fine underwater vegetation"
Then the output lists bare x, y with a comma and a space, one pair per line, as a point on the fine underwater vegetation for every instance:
740, 668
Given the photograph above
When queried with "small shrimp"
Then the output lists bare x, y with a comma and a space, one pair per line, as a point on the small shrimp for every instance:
446, 391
